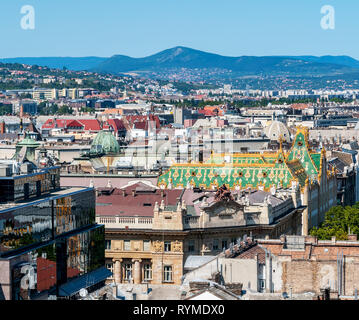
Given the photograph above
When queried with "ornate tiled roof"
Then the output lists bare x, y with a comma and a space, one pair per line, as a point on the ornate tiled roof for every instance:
248, 170
300, 151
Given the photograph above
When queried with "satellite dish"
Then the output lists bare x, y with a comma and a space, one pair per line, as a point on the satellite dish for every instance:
83, 293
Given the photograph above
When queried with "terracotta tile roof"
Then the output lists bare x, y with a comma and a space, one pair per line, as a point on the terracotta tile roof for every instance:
300, 106
116, 124
88, 124
212, 111
131, 202
252, 253
74, 124
129, 121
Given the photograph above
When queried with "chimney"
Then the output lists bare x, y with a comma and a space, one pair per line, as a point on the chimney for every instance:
2, 127
352, 237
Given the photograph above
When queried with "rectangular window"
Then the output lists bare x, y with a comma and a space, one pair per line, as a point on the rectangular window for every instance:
262, 284
191, 246
127, 245
147, 272
146, 245
224, 244
128, 271
109, 266
108, 244
167, 246
167, 274
215, 244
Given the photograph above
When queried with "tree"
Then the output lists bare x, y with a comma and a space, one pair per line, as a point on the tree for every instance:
65, 110
5, 109
337, 222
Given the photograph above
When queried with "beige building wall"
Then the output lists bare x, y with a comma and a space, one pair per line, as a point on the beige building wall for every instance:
162, 252
5, 280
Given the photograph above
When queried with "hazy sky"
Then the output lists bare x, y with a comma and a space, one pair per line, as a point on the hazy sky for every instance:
143, 27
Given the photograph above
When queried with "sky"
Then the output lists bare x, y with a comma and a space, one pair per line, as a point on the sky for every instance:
140, 28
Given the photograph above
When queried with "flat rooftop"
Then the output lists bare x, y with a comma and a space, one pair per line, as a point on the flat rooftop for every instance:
15, 176
49, 196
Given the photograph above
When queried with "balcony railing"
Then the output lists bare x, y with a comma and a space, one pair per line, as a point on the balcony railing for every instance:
115, 222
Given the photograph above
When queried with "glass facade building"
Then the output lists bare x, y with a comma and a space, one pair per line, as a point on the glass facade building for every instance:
26, 186
49, 242
42, 220
40, 272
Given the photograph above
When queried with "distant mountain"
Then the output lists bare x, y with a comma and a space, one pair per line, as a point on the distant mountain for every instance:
171, 60
341, 60
71, 63
180, 62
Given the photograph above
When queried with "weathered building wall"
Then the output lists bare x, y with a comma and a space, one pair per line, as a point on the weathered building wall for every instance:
5, 280
315, 267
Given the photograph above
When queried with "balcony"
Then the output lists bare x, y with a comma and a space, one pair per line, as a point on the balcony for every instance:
115, 222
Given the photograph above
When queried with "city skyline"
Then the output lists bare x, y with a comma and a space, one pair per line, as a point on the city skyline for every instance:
139, 28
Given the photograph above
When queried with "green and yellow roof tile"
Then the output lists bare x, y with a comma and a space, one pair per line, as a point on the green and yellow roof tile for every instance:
248, 170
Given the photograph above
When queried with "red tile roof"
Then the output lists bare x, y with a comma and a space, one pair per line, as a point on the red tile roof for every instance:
212, 111
74, 124
134, 200
88, 124
132, 120
116, 124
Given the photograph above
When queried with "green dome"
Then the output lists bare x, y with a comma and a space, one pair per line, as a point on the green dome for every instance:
28, 142
106, 143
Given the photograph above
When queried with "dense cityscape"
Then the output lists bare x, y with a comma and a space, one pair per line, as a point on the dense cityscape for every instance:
183, 175
194, 192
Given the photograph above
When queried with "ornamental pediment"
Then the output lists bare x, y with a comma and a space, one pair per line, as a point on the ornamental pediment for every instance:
224, 209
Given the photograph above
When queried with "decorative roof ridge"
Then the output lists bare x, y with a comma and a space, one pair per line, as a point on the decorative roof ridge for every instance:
305, 132
238, 165
251, 154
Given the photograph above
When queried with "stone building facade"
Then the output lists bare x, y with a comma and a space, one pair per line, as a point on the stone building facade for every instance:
152, 244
